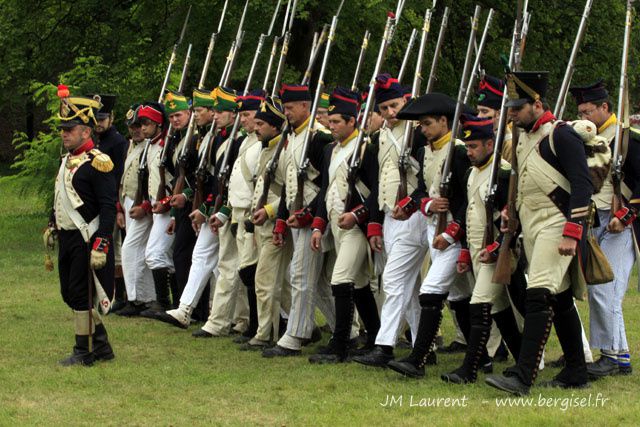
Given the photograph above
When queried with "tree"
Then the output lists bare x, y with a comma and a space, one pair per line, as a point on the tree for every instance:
122, 47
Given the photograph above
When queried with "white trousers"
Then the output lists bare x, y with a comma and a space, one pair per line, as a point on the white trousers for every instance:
227, 284
405, 245
310, 287
159, 252
203, 262
137, 276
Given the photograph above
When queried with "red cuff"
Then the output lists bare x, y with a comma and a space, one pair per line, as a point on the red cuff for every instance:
408, 205
493, 248
119, 207
465, 256
304, 217
423, 205
146, 205
374, 229
455, 231
165, 201
361, 213
626, 215
101, 244
573, 230
319, 223
280, 227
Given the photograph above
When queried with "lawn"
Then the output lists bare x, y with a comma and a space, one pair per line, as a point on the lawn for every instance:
162, 376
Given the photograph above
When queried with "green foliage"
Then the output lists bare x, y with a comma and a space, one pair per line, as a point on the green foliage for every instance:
123, 48
38, 158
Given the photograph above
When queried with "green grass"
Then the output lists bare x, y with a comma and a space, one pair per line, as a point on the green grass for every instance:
162, 376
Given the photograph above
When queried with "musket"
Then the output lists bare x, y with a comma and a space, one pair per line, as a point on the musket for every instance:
212, 42
272, 166
436, 52
272, 55
142, 192
315, 52
172, 59
622, 125
354, 162
445, 183
303, 162
236, 47
314, 44
225, 169
161, 194
476, 65
490, 198
276, 40
558, 111
502, 273
188, 143
407, 140
363, 51
288, 23
407, 54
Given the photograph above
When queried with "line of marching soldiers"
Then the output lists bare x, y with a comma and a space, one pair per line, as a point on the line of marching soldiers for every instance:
256, 265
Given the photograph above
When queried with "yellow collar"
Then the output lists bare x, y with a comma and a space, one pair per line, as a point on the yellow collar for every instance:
302, 126
349, 138
612, 120
487, 163
274, 141
441, 142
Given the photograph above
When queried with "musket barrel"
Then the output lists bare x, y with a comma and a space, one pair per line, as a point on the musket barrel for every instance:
407, 139
436, 52
384, 44
461, 93
167, 74
274, 51
363, 51
446, 171
407, 54
172, 58
623, 92
558, 111
476, 64
316, 99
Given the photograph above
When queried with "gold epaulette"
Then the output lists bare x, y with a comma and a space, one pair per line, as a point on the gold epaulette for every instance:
101, 161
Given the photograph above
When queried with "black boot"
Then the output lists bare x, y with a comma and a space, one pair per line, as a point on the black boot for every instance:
131, 309
517, 289
506, 323
476, 345
248, 277
568, 329
120, 295
463, 317
201, 312
537, 324
101, 348
162, 280
368, 310
339, 345
81, 354
430, 318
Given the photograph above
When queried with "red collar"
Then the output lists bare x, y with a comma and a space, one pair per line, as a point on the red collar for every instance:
546, 117
159, 137
87, 146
